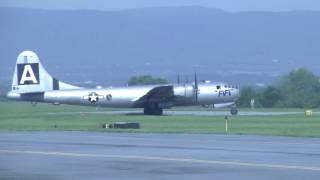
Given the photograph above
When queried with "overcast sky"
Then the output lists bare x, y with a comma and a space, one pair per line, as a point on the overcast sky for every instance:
228, 5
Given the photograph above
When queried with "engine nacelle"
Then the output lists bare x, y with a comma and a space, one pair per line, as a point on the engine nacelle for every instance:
223, 105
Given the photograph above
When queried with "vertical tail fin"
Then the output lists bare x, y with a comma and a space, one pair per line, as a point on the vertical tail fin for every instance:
30, 76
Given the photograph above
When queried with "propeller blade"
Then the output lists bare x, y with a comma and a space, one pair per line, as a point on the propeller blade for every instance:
196, 86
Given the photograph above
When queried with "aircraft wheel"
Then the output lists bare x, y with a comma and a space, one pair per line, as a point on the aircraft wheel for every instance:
146, 111
158, 111
152, 110
234, 111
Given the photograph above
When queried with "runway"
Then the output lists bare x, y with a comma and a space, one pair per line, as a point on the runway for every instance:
88, 155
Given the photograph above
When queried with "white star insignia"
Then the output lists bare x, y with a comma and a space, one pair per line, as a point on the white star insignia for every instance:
93, 97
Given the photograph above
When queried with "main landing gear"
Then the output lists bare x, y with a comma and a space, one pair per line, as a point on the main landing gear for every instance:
153, 109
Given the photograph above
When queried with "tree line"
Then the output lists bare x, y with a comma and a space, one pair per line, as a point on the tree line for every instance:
298, 89
145, 80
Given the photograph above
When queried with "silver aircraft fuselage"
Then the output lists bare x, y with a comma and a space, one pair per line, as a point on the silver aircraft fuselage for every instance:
127, 97
31, 82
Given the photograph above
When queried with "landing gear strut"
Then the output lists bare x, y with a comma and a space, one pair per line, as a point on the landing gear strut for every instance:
234, 111
153, 109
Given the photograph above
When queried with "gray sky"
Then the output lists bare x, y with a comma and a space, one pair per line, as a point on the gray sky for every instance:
228, 5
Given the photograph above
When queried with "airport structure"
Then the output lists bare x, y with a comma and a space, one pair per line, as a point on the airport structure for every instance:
31, 82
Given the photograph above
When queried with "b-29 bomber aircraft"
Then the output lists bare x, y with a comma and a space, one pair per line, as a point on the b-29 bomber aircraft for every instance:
31, 82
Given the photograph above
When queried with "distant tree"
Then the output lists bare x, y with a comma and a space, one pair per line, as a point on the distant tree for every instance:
300, 88
3, 91
145, 80
246, 94
270, 96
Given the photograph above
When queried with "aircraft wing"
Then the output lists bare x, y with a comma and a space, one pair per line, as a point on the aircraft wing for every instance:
159, 94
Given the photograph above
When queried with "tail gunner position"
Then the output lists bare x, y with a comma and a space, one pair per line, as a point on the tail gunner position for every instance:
31, 82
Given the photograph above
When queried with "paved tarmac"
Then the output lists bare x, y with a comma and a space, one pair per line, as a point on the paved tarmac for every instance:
89, 155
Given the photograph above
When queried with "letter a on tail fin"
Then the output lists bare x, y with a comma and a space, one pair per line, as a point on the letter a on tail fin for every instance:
30, 76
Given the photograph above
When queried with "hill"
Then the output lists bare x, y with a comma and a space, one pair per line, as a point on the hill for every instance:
109, 47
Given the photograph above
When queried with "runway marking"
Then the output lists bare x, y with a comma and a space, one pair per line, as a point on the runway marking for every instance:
224, 140
187, 160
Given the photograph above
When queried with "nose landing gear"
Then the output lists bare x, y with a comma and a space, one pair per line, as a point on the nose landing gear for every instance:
234, 111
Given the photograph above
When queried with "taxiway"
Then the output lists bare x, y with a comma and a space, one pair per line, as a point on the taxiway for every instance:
89, 155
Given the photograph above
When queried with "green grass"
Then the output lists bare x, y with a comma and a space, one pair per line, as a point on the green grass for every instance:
23, 117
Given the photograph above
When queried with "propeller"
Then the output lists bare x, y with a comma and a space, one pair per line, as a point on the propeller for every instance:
196, 89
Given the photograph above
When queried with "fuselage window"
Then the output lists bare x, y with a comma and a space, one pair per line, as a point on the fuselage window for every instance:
218, 87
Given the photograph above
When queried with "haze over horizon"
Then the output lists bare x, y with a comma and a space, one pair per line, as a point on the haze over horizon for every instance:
162, 38
114, 5
108, 47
